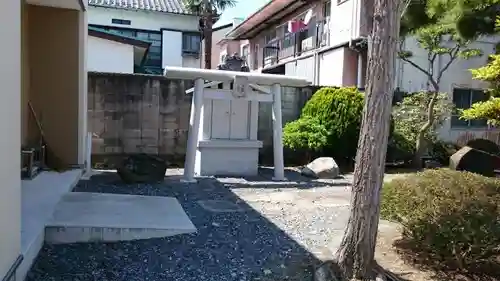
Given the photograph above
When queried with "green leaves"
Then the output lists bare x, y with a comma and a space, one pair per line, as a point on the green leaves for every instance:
489, 110
411, 114
305, 133
469, 53
339, 110
217, 6
405, 54
468, 18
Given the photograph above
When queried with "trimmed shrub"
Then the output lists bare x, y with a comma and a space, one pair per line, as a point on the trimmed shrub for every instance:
340, 111
399, 149
442, 151
411, 114
452, 216
305, 134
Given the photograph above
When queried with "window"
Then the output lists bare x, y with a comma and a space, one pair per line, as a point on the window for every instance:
245, 52
153, 58
327, 9
152, 62
126, 32
463, 99
222, 57
255, 55
270, 36
288, 39
120, 21
191, 43
310, 30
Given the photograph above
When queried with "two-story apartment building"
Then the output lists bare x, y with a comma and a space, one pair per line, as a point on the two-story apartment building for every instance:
329, 49
328, 46
167, 25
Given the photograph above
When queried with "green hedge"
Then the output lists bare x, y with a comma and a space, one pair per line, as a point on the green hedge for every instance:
306, 135
452, 215
340, 111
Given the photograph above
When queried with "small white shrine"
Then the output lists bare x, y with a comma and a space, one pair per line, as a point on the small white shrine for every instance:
222, 138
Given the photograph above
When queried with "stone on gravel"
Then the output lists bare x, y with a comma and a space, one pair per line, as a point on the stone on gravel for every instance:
322, 168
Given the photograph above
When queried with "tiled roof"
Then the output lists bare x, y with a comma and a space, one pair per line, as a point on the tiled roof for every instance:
166, 6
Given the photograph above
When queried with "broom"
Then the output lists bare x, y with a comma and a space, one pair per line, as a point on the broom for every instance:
51, 160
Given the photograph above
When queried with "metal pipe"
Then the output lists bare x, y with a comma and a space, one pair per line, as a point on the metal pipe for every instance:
88, 164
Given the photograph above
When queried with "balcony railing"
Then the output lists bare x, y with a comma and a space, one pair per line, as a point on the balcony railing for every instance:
315, 35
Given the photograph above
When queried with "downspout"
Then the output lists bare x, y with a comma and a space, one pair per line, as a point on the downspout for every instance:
355, 15
316, 68
354, 22
360, 71
316, 55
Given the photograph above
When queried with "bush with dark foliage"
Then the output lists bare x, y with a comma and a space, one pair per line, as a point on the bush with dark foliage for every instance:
339, 110
452, 216
442, 151
399, 149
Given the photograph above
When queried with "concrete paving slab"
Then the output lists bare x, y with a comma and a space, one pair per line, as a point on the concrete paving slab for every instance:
39, 197
85, 217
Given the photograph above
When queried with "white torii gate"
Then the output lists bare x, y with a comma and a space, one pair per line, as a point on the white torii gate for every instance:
210, 152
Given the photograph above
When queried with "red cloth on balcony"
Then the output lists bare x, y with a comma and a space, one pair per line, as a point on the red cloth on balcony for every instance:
296, 26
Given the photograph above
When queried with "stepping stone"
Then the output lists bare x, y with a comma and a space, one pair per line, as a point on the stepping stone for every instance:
89, 217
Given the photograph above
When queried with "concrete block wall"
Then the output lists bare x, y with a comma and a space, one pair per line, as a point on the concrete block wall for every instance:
131, 113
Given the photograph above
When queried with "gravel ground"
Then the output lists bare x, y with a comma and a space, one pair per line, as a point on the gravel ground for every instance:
277, 232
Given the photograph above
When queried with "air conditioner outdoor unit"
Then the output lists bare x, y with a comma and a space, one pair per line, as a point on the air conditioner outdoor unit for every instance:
307, 43
269, 60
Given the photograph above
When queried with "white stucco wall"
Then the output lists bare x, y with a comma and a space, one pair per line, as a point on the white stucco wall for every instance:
10, 141
331, 67
174, 24
109, 56
171, 45
458, 75
344, 22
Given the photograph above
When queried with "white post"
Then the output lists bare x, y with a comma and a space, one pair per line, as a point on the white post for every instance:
279, 165
82, 87
194, 128
88, 168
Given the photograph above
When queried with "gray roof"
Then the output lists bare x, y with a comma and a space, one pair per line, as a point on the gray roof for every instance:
166, 6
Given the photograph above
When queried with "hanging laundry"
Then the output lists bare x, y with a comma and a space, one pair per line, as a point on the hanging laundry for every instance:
308, 16
296, 26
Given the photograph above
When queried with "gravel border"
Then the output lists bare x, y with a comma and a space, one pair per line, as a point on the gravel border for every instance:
237, 246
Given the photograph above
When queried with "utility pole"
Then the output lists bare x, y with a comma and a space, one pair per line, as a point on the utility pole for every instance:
207, 33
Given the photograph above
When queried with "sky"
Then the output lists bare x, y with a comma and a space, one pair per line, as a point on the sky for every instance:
243, 9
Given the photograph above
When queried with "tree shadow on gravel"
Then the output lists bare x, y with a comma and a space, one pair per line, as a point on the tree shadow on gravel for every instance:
293, 180
236, 244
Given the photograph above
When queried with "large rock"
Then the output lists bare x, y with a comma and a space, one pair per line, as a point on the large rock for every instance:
484, 145
473, 160
322, 168
142, 168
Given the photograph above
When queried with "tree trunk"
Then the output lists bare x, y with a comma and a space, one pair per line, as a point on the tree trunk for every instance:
207, 34
355, 256
420, 144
